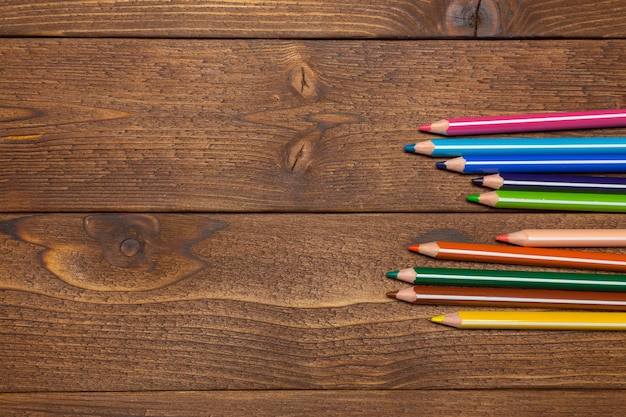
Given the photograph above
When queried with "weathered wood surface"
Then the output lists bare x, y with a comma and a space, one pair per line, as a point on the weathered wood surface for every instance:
262, 301
322, 19
222, 125
231, 311
469, 403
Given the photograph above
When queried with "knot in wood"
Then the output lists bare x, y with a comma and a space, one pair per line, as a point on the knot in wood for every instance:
472, 18
303, 81
126, 240
130, 247
119, 252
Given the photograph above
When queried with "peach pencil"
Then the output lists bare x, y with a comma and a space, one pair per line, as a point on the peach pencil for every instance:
566, 238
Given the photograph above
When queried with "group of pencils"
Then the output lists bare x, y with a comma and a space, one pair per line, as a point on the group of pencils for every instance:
536, 173
528, 173
602, 288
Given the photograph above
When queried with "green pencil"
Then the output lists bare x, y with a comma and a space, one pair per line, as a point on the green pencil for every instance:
546, 200
510, 279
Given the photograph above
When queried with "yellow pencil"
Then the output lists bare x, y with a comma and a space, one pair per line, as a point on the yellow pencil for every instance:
539, 320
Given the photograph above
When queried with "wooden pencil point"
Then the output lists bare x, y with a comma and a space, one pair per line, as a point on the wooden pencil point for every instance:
428, 249
392, 294
494, 181
440, 127
425, 147
454, 164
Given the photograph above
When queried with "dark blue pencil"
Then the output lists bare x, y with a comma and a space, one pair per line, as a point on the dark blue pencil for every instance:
553, 182
492, 164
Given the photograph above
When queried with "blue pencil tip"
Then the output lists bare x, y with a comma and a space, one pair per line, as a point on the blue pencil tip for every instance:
410, 148
441, 165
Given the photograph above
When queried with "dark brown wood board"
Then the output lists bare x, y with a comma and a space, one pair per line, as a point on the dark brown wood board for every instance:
265, 301
390, 19
221, 125
317, 403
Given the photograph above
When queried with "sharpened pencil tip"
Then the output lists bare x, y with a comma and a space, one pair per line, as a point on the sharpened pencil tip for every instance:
474, 198
441, 165
392, 274
414, 248
477, 181
425, 128
503, 238
410, 148
438, 319
392, 294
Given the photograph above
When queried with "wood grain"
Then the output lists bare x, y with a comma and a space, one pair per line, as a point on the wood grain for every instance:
181, 125
568, 403
398, 19
284, 301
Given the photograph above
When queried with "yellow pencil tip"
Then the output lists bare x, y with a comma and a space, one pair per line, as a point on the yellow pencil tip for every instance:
438, 319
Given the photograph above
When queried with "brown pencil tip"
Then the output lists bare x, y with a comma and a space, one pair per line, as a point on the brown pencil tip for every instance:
425, 128
503, 238
392, 294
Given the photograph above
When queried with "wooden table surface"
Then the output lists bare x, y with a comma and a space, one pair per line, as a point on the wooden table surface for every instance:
199, 201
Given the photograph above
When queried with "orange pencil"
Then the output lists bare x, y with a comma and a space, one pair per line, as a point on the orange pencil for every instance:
559, 258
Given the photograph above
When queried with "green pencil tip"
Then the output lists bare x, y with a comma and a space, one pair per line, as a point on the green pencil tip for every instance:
392, 274
474, 198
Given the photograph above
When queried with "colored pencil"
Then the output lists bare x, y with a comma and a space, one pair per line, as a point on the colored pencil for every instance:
547, 164
537, 320
591, 119
512, 297
553, 182
545, 200
566, 238
505, 254
528, 146
510, 279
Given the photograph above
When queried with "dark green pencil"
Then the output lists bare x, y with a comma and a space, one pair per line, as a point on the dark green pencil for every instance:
510, 279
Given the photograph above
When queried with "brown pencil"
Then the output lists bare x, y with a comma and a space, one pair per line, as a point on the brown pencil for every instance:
512, 297
505, 254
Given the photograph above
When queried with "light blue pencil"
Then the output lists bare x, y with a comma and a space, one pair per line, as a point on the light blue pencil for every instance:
527, 146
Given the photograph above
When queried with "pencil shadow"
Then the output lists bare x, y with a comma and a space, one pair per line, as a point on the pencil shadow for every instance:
450, 235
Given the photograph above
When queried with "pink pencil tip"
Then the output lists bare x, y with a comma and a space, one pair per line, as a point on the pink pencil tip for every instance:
425, 128
502, 238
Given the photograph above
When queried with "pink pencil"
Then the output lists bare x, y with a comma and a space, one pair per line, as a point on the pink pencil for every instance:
592, 119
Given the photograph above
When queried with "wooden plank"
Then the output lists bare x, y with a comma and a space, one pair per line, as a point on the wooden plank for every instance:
570, 403
229, 19
552, 19
180, 125
319, 19
262, 301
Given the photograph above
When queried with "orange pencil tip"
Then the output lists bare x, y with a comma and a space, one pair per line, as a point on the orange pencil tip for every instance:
414, 248
502, 238
425, 128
